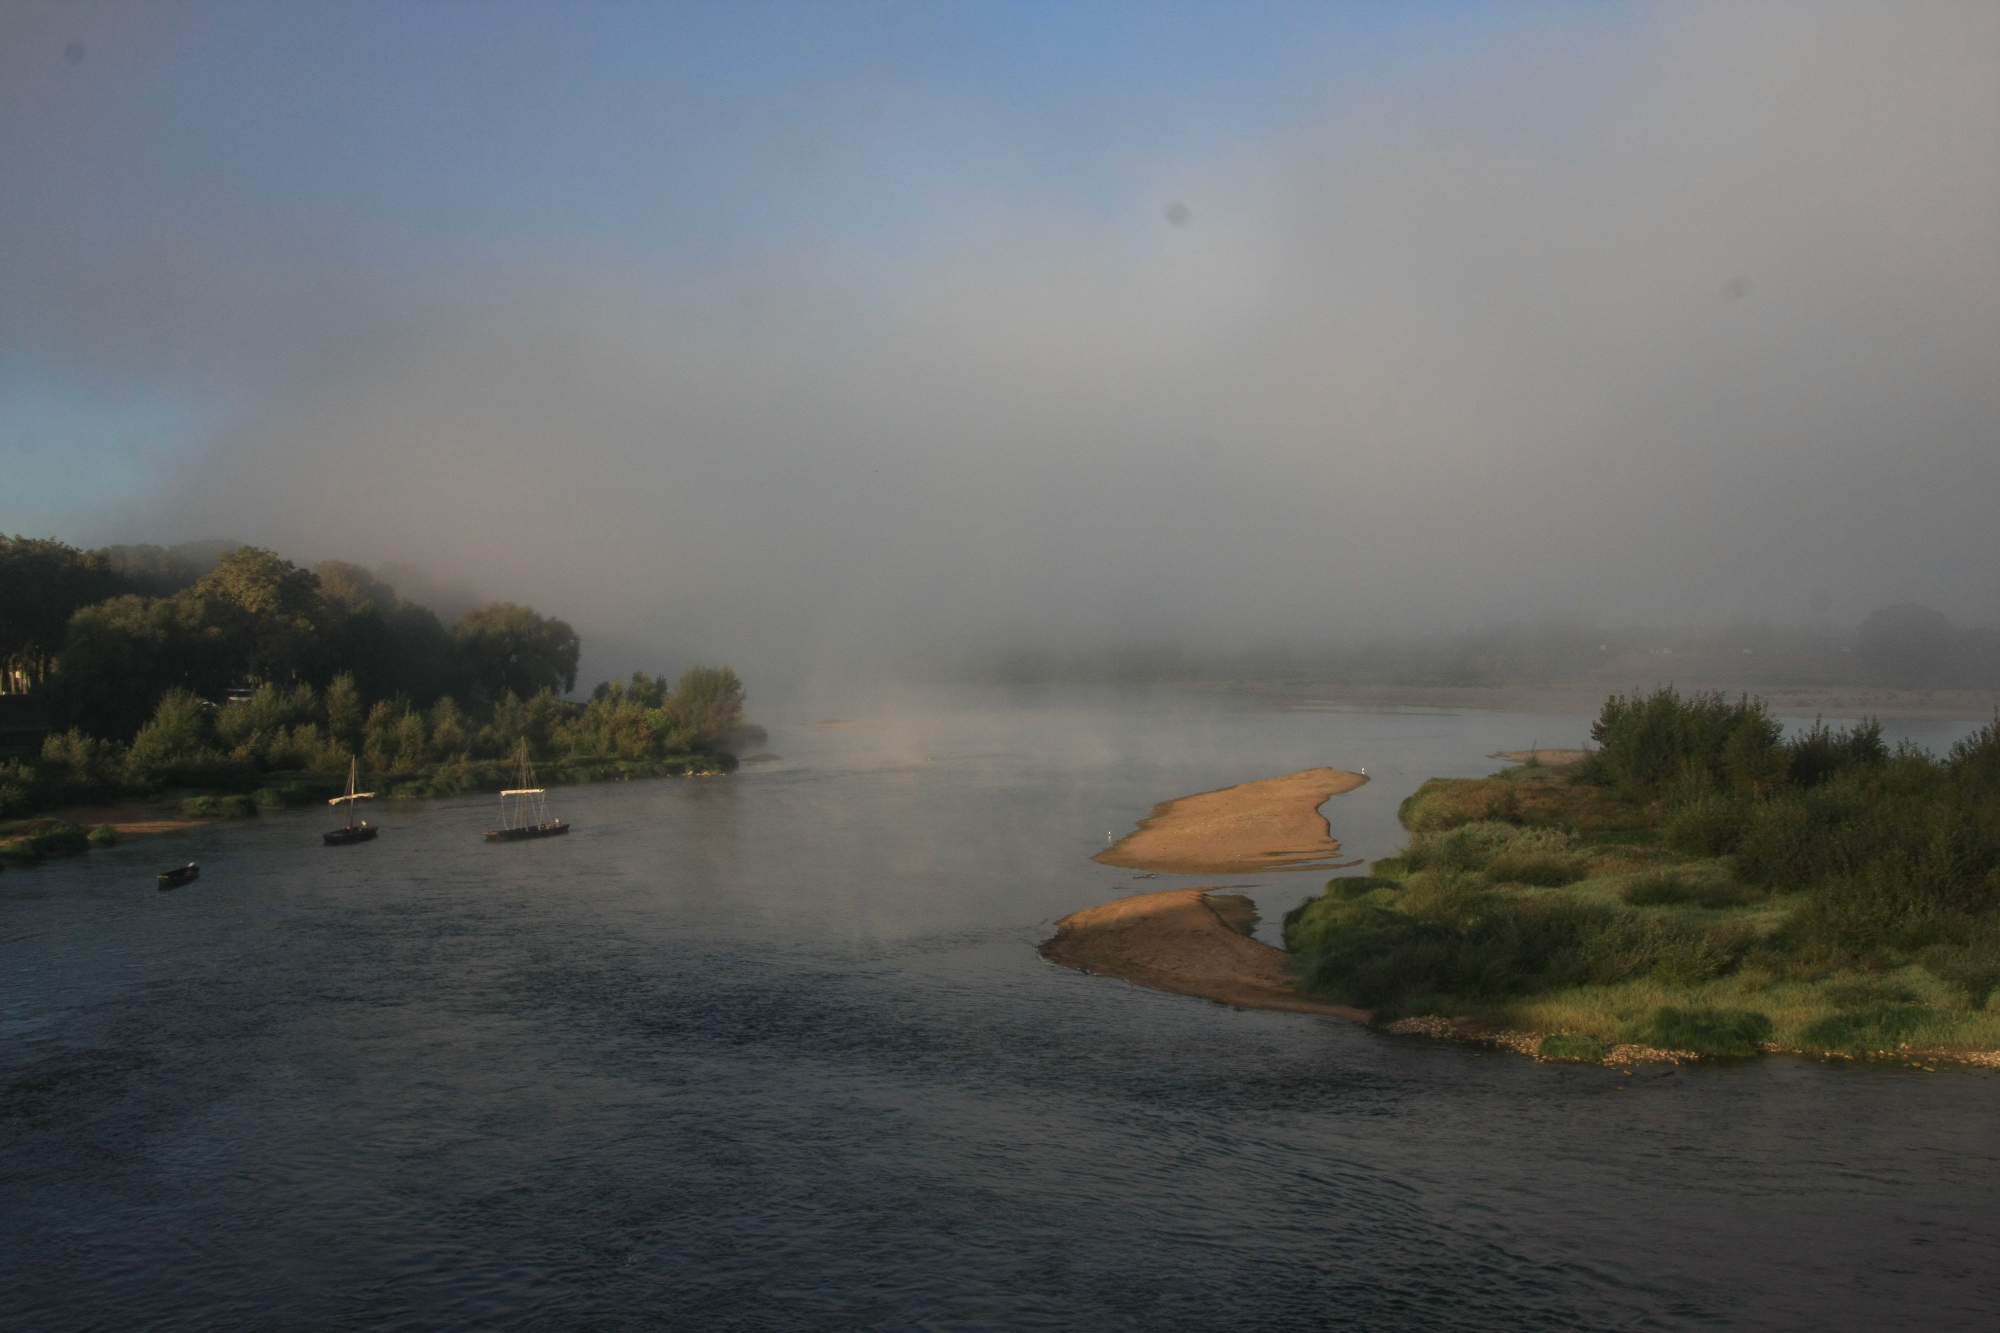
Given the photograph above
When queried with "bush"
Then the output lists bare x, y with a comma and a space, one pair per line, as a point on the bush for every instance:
104, 835
1667, 887
1973, 969
1645, 742
1350, 887
44, 837
1716, 1032
1542, 869
218, 807
1477, 845
1863, 1031
1565, 1047
1706, 825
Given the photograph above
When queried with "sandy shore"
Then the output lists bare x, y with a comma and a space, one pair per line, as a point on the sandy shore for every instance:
1185, 942
1273, 824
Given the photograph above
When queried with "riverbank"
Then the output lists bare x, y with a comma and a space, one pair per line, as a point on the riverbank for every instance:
1577, 912
1271, 824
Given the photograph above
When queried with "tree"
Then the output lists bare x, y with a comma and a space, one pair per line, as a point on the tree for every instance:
122, 655
504, 648
42, 584
1907, 644
707, 706
269, 606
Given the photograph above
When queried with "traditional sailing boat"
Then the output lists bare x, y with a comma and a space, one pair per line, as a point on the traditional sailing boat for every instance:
527, 816
351, 832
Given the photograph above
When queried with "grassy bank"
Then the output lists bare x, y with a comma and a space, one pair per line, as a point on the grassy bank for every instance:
1699, 884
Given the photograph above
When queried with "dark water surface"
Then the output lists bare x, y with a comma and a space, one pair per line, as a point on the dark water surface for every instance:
775, 1051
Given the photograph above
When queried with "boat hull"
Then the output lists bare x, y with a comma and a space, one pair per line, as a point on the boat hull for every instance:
173, 879
553, 829
341, 837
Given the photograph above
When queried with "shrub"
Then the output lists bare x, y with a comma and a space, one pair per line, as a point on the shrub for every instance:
218, 807
1667, 887
1694, 959
104, 835
1565, 1047
1706, 825
1645, 742
1475, 845
1542, 869
1973, 969
1865, 993
1863, 1031
1656, 888
44, 837
1350, 887
1716, 1032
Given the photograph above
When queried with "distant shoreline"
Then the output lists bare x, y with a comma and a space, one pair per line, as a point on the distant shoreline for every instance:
1586, 698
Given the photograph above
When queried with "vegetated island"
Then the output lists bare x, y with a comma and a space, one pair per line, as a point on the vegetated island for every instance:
1699, 885
144, 690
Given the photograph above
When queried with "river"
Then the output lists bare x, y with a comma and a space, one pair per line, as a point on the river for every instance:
775, 1051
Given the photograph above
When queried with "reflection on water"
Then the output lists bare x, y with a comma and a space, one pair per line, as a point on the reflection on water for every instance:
775, 1051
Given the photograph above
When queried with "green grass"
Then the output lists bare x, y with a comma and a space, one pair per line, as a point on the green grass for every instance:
1564, 1046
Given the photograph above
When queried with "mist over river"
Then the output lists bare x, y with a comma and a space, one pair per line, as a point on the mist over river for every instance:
775, 1051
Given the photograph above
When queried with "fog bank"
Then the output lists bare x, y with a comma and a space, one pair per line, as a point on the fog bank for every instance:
1681, 318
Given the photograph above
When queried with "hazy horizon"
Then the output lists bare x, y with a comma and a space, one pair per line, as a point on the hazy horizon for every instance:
807, 337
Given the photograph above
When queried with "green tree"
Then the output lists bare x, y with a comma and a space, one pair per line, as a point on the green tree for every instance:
178, 734
707, 706
344, 711
268, 606
42, 584
505, 648
122, 655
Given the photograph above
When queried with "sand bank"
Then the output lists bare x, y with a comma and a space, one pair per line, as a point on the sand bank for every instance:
1185, 942
1273, 824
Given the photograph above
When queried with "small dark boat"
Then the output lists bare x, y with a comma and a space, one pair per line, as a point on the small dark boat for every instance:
173, 879
351, 832
528, 814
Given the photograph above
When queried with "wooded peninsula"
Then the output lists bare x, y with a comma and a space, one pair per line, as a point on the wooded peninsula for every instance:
230, 679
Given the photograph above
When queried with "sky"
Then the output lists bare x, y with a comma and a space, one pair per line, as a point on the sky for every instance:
795, 334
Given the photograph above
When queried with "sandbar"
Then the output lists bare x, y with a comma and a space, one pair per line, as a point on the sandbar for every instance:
1271, 824
1185, 942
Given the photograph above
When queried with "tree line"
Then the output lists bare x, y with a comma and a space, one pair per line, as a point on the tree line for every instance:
259, 667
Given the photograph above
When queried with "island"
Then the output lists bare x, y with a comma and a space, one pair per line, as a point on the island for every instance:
1700, 885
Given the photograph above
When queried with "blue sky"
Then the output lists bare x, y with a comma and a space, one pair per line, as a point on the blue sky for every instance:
315, 144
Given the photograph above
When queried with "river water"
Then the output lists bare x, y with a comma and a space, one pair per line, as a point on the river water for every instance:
775, 1051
